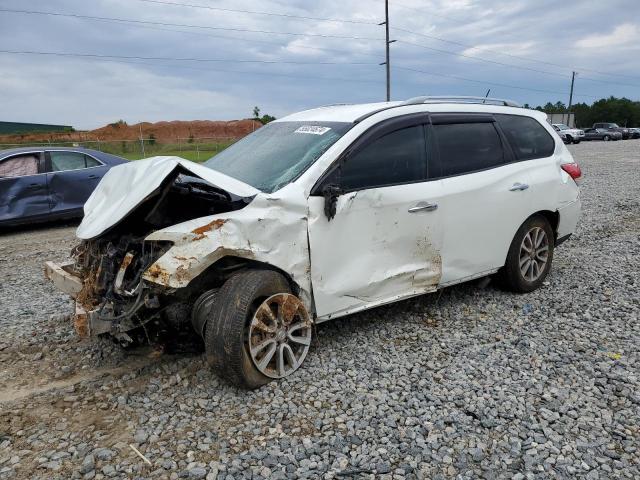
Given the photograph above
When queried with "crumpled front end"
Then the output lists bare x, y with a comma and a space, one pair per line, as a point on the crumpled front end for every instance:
139, 278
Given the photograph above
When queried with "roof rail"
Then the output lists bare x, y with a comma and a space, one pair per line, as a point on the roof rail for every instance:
460, 99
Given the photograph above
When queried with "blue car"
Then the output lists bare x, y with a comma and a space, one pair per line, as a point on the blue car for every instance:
39, 184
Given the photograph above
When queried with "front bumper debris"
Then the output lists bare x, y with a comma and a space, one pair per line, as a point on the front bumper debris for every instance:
85, 322
62, 277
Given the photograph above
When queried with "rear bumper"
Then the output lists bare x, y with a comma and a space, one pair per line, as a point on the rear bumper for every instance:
569, 216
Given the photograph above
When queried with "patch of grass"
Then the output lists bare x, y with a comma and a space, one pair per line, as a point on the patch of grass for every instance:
202, 153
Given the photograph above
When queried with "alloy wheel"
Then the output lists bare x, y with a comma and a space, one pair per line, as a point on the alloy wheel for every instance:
534, 254
279, 335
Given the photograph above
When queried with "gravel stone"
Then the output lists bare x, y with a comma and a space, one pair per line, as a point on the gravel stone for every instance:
472, 382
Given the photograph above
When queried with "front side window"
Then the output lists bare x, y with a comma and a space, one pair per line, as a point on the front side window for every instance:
395, 158
19, 166
527, 137
466, 147
276, 154
61, 161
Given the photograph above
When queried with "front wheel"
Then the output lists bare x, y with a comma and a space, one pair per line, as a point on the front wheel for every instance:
576, 142
530, 255
569, 139
606, 138
257, 330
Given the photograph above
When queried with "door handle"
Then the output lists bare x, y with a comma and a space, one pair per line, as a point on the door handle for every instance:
34, 185
518, 186
423, 207
93, 176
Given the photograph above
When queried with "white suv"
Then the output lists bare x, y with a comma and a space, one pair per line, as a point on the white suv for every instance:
316, 216
571, 135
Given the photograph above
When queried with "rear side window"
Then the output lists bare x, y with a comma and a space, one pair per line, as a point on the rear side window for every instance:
397, 157
527, 137
91, 162
466, 147
61, 161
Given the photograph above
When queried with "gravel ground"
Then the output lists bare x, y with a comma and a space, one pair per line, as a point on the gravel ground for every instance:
472, 382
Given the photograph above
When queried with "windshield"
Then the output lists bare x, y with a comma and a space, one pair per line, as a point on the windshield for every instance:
276, 154
562, 126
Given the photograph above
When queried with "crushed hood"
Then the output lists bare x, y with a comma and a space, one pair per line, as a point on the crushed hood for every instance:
125, 186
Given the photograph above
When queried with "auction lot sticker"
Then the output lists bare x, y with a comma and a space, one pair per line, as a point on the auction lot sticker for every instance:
313, 129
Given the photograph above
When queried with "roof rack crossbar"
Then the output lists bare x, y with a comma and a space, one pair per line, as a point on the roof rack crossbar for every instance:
460, 99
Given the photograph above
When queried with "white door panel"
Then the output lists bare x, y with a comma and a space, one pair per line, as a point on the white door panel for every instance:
374, 250
481, 213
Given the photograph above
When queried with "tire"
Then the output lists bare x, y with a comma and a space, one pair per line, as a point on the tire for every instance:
511, 276
226, 330
576, 142
569, 139
606, 138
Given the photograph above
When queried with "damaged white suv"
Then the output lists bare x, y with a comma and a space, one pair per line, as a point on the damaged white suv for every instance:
315, 216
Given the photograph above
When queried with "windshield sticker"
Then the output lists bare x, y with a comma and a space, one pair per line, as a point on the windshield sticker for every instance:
313, 129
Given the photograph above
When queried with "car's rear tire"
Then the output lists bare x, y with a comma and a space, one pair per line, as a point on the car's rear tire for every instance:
529, 257
254, 316
569, 139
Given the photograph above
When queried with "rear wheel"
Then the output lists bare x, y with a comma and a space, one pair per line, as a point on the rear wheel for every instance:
530, 255
257, 330
569, 139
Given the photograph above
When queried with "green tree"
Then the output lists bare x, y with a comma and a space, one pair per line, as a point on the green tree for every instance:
256, 113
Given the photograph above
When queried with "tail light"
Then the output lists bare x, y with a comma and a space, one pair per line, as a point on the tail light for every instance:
573, 169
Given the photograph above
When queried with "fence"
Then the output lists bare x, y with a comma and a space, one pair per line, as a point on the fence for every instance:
195, 149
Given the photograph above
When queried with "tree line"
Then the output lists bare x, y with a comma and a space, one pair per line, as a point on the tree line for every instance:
622, 111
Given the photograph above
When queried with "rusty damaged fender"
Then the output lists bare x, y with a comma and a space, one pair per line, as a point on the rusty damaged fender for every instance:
273, 230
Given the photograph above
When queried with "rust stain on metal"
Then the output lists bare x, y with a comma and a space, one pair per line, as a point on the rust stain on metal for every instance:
200, 231
81, 322
158, 273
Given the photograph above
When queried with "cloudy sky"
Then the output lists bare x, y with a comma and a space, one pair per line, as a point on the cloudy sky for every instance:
166, 61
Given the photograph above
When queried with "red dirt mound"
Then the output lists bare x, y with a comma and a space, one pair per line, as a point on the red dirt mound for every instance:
161, 131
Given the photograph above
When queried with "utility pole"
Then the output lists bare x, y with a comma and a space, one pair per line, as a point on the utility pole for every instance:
388, 42
573, 78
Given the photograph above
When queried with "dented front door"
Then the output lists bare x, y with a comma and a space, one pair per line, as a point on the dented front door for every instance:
382, 245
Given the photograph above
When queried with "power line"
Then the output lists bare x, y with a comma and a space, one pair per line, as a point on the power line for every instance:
484, 82
224, 70
139, 25
449, 52
431, 13
511, 65
185, 25
466, 45
177, 59
253, 12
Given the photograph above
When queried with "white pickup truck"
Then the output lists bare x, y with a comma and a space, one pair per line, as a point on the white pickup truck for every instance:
571, 135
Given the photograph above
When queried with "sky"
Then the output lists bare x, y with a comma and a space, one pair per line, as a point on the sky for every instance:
521, 49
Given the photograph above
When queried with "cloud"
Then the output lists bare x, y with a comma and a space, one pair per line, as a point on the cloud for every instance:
87, 93
621, 35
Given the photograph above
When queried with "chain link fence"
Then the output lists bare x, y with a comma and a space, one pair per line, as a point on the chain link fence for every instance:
196, 149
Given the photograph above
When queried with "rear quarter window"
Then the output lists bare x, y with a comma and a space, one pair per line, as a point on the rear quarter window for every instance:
465, 148
528, 139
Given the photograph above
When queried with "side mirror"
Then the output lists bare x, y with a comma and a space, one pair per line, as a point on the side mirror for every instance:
330, 192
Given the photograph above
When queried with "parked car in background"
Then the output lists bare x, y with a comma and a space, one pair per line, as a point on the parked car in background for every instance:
613, 127
571, 135
46, 183
319, 215
634, 132
601, 134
